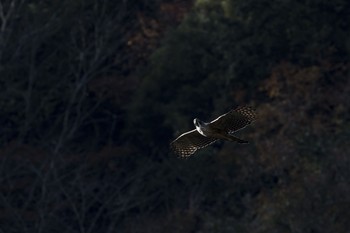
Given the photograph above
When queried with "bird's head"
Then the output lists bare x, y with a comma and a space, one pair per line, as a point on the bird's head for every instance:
198, 123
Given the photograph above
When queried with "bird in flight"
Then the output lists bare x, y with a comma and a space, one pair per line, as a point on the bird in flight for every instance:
207, 133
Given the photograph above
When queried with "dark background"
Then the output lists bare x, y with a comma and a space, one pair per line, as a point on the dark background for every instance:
92, 93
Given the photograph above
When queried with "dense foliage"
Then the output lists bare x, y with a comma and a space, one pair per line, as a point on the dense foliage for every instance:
92, 92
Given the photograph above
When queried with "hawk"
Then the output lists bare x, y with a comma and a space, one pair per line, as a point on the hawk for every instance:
207, 133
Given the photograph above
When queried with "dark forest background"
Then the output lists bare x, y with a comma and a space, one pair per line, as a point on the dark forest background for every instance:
92, 93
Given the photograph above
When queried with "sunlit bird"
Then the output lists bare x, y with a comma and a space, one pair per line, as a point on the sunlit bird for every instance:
205, 134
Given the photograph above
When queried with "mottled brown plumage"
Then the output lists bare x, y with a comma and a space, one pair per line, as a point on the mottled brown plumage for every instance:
207, 133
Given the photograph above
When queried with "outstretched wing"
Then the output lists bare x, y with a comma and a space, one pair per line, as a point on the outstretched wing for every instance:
188, 143
235, 119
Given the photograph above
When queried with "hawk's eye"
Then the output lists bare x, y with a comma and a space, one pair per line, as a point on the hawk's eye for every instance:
196, 122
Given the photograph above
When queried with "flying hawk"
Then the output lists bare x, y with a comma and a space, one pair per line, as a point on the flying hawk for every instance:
207, 133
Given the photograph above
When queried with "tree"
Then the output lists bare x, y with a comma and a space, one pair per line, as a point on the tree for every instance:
50, 56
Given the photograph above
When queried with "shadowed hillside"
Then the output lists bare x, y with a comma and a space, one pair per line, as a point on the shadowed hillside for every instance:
92, 93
